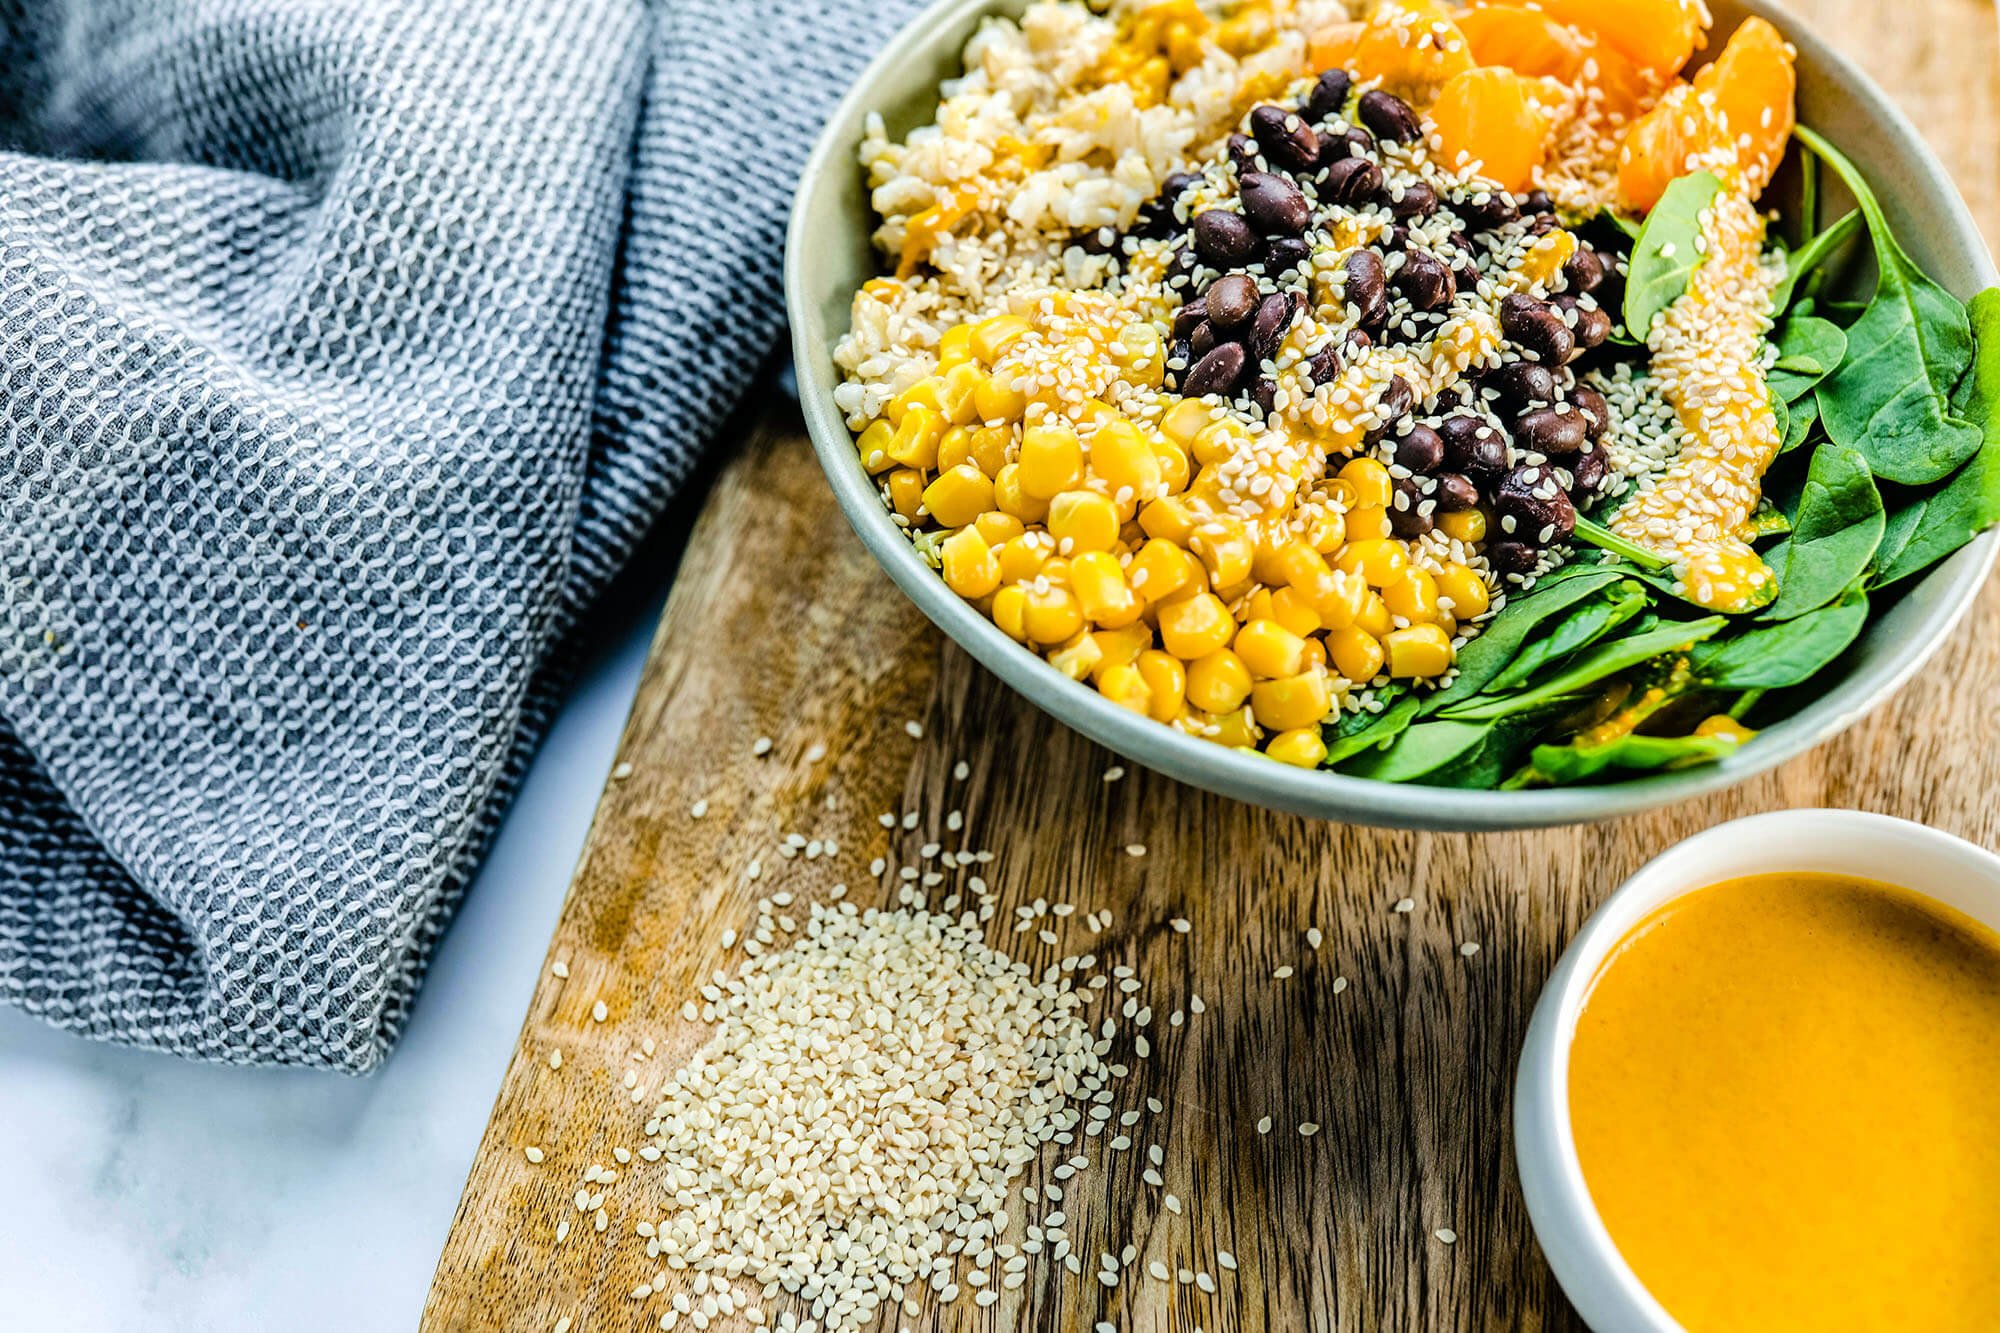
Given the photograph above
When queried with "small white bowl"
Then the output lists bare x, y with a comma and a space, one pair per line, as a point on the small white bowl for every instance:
1593, 1274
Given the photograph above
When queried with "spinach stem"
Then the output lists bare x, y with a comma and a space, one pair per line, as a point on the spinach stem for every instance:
1604, 539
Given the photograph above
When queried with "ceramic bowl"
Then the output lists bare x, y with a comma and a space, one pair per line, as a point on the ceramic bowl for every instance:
828, 257
1845, 842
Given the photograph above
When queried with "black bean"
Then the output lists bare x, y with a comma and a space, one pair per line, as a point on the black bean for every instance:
1367, 289
1406, 516
1588, 472
1454, 492
1350, 181
1181, 270
1231, 301
1534, 326
1264, 393
1328, 95
1512, 557
1358, 342
1541, 224
1417, 200
1475, 446
1448, 399
1285, 253
1242, 153
1394, 404
1395, 239
1101, 241
1274, 205
1584, 270
1521, 384
1216, 373
1467, 276
1537, 201
1267, 330
1157, 216
1287, 141
1180, 354
1590, 324
1419, 448
1534, 499
1389, 116
1189, 317
1224, 238
1425, 282
1494, 208
1596, 412
1323, 366
1204, 339
1550, 430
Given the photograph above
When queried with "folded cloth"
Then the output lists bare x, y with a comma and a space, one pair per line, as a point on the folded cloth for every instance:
348, 346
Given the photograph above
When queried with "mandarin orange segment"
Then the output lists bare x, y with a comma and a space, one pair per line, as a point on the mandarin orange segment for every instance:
1498, 118
1657, 35
1410, 44
1524, 40
1734, 120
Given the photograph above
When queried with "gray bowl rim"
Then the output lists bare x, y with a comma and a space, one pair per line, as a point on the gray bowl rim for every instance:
1317, 792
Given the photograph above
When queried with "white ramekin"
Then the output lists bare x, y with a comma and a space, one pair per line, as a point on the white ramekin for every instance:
1848, 842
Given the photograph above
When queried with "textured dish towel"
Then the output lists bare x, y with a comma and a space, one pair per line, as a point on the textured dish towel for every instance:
348, 346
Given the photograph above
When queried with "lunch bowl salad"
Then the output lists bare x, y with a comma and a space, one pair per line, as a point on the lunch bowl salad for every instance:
1406, 412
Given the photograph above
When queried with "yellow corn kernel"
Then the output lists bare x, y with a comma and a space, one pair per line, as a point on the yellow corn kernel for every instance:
1224, 547
955, 447
1293, 608
956, 388
1175, 470
1126, 687
1166, 679
1270, 650
1078, 658
1169, 519
1219, 440
1195, 585
1010, 499
1121, 647
1051, 459
1721, 724
1300, 566
997, 527
1356, 654
1085, 520
1315, 653
1218, 682
1375, 617
915, 443
992, 337
1414, 597
1340, 494
1466, 591
970, 568
1159, 570
990, 445
1419, 651
1382, 562
1185, 420
1366, 524
1292, 701
1257, 606
1237, 729
924, 393
1195, 627
997, 398
1021, 558
1339, 598
1055, 570
906, 492
1326, 530
1101, 589
1139, 351
1010, 612
1301, 747
959, 495
1122, 457
955, 346
1053, 614
1373, 487
1464, 525
873, 446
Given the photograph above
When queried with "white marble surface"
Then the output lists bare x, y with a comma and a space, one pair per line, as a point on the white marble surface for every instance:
142, 1192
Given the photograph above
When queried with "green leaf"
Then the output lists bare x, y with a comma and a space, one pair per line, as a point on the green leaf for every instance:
1486, 656
1606, 660
1809, 349
1561, 765
1664, 256
1890, 399
1801, 263
1788, 653
1487, 765
1801, 417
1590, 621
1422, 749
1839, 525
1593, 533
1356, 732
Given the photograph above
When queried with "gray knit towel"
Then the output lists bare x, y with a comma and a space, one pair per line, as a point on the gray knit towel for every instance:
347, 346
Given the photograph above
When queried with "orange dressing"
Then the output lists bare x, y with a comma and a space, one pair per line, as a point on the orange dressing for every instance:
1785, 1091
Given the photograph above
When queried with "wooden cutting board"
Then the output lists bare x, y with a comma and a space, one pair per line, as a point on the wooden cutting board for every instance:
1392, 1036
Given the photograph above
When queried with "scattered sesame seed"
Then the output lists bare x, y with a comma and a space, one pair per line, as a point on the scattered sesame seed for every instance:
621, 772
761, 746
1447, 1235
1307, 1129
533, 1154
915, 730
1264, 1124
600, 1011
1406, 904
1469, 948
559, 968
1135, 849
555, 1059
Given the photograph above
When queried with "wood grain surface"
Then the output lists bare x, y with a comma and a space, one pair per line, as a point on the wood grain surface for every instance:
1398, 1044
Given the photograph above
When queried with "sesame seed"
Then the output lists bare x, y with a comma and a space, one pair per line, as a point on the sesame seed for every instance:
559, 968
600, 1011
761, 746
1307, 1129
1447, 1235
533, 1154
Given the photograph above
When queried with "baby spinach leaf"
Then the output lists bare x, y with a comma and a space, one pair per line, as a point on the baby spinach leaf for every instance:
1801, 417
1486, 656
1839, 525
1605, 660
1809, 349
1783, 412
1371, 731
1561, 765
1488, 765
1890, 398
1781, 655
1664, 256
1422, 749
1800, 264
1597, 616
